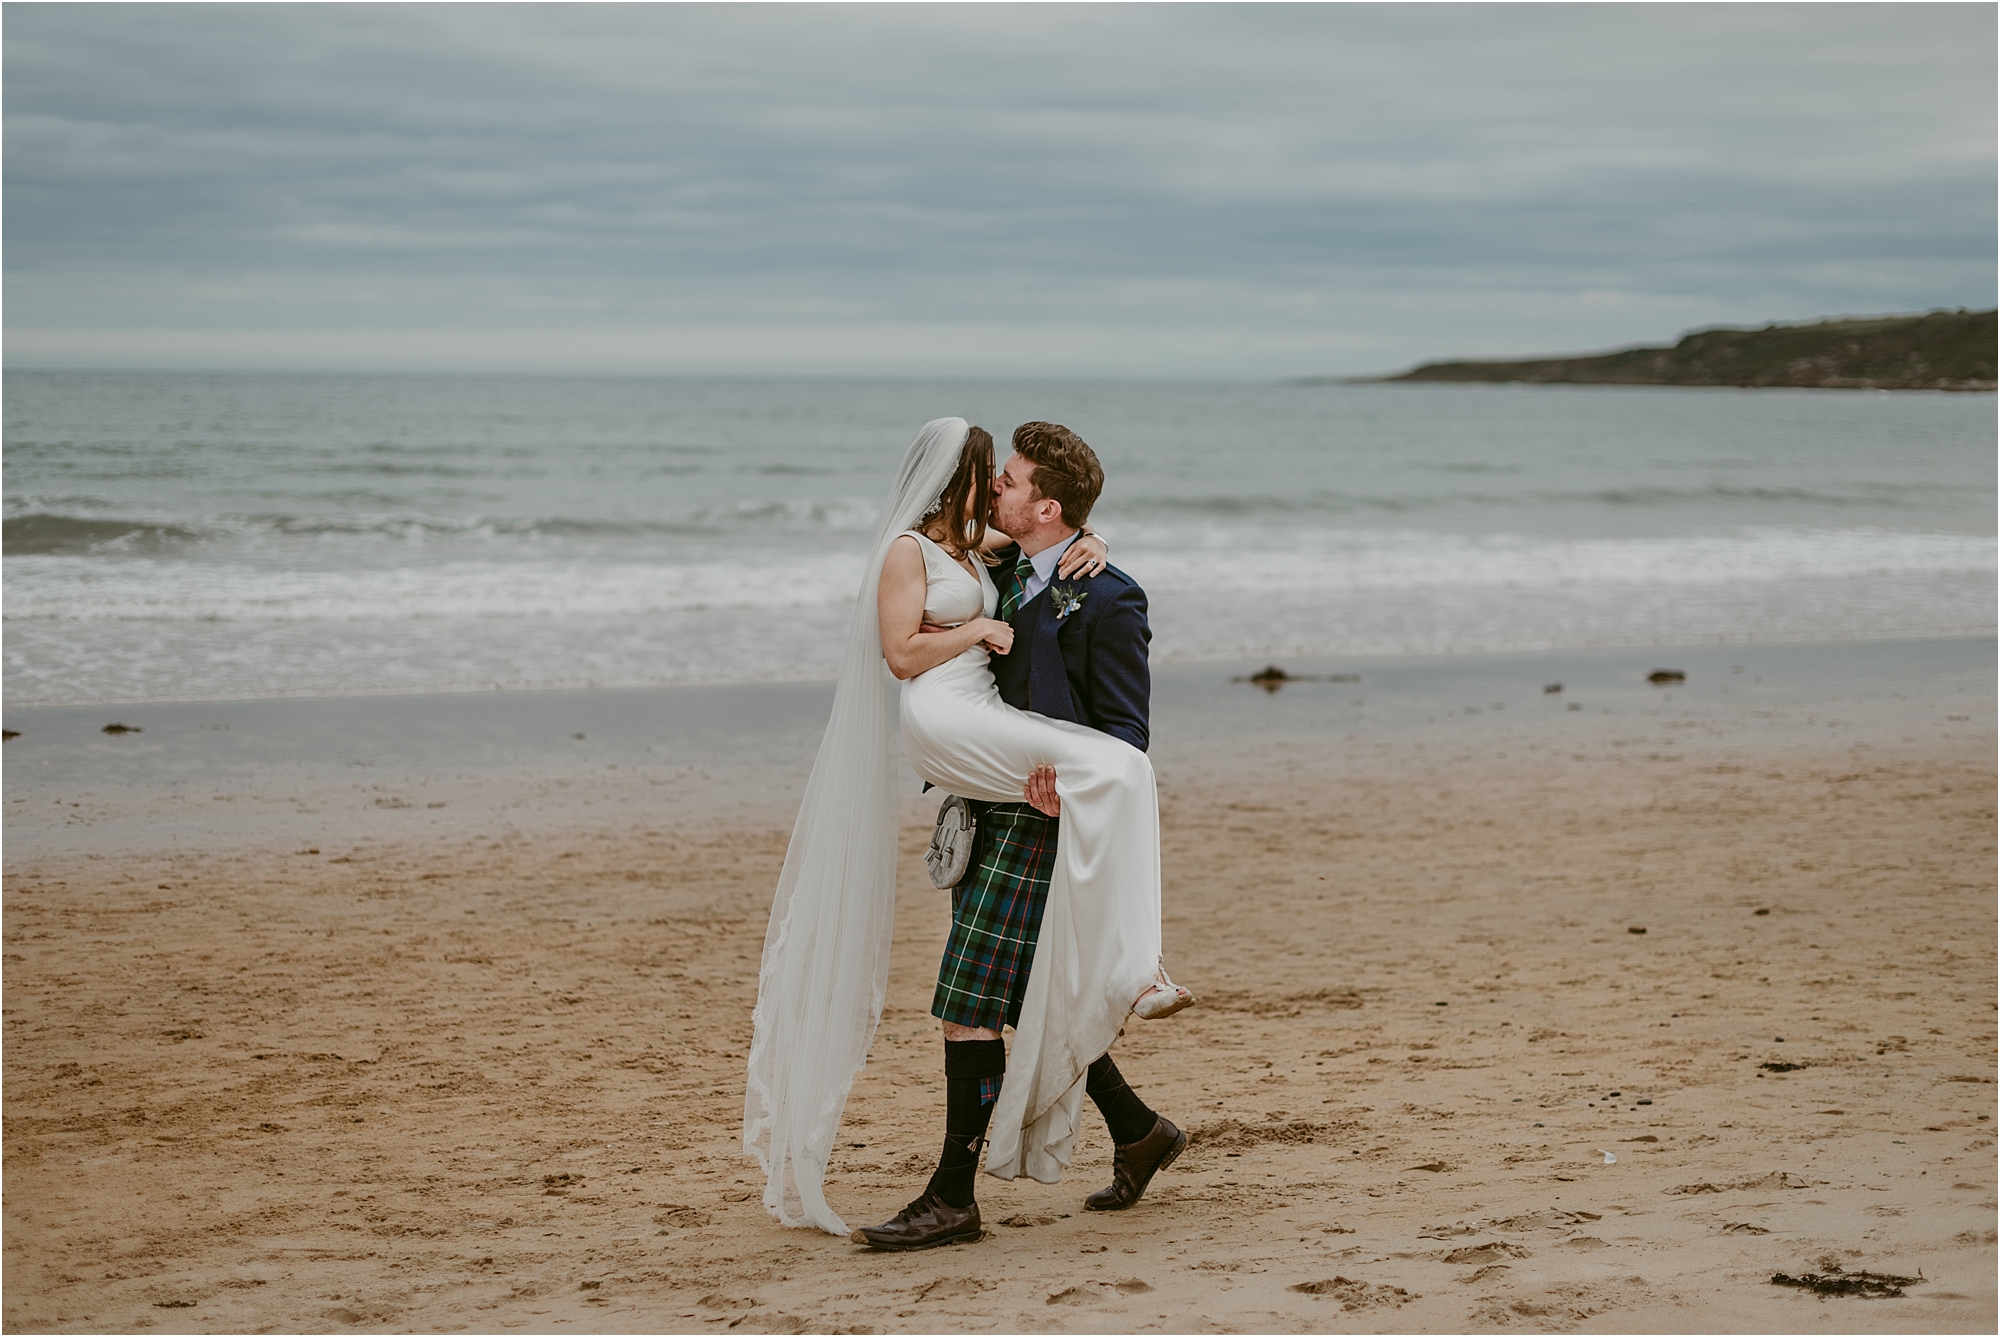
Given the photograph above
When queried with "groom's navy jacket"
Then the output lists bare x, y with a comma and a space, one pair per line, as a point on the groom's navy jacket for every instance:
1087, 666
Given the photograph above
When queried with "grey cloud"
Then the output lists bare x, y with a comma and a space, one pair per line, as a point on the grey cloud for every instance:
1257, 189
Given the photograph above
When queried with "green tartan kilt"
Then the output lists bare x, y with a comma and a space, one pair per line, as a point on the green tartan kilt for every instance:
996, 916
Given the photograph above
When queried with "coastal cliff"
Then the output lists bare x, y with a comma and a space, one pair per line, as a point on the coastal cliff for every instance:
1944, 350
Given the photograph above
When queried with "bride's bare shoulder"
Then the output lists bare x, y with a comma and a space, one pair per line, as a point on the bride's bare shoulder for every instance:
905, 555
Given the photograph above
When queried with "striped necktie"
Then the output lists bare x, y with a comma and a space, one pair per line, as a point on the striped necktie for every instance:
1010, 602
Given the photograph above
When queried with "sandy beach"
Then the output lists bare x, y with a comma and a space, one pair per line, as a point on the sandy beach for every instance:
485, 1073
456, 457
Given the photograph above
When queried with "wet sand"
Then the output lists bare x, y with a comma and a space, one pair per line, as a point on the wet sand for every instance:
477, 1076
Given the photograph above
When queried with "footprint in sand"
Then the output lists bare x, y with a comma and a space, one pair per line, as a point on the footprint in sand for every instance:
1499, 1251
1092, 1292
1563, 1306
1355, 1294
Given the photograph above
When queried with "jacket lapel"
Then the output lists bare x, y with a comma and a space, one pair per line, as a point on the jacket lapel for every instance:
1048, 682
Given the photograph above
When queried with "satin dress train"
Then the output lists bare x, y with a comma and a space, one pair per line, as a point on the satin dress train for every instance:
1100, 937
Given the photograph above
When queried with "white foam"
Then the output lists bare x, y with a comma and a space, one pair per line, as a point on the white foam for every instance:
98, 629
93, 589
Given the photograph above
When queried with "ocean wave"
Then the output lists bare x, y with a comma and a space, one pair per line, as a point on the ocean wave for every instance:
1312, 504
48, 533
402, 469
1871, 495
40, 533
72, 590
1332, 562
1303, 518
102, 661
848, 515
1239, 567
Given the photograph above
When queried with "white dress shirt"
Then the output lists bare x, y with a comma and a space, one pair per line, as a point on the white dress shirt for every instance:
1045, 567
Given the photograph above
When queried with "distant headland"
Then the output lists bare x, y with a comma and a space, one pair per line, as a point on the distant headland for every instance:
1943, 350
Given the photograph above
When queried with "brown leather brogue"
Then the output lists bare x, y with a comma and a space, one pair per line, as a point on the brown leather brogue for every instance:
1134, 1166
924, 1224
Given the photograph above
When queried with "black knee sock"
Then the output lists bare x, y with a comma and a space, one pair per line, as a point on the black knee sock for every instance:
971, 1070
1124, 1113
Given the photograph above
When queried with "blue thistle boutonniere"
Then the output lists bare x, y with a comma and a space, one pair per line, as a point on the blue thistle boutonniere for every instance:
1067, 601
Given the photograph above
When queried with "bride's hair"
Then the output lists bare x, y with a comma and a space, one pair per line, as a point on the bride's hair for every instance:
954, 523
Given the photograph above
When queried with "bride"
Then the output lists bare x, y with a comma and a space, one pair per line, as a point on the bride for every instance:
925, 616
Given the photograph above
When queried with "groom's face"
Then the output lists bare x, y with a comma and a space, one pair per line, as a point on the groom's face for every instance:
1016, 508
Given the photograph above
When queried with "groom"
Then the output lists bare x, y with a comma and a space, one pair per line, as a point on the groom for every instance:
1079, 654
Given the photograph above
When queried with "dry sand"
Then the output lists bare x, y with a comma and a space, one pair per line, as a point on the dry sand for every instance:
496, 1084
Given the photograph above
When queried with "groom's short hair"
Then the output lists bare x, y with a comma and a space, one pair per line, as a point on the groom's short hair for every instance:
1066, 470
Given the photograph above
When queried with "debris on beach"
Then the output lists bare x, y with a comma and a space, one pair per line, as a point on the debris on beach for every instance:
1551, 689
1271, 677
1660, 677
1783, 1067
6, 734
1833, 1281
115, 729
1635, 929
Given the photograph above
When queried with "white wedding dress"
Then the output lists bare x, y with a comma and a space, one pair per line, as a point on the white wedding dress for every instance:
1100, 938
825, 971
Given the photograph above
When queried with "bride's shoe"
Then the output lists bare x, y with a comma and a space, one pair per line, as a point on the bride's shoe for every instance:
1163, 999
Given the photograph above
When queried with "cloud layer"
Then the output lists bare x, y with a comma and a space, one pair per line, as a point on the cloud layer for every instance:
1124, 190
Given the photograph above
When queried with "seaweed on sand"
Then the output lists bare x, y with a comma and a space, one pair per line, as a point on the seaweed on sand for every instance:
1833, 1281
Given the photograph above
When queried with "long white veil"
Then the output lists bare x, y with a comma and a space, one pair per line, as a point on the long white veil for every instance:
826, 953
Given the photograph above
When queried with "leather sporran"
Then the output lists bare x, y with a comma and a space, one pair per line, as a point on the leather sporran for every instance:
950, 855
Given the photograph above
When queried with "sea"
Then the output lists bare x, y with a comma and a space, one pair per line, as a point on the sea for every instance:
178, 536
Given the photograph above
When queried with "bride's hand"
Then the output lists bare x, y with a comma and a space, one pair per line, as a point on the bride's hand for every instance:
1087, 556
996, 635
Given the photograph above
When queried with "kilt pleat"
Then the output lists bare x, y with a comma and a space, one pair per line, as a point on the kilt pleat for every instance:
996, 916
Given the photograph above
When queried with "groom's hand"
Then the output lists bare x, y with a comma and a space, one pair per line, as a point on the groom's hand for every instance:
1040, 791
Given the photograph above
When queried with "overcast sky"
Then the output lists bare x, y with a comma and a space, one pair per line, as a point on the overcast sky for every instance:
1139, 190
